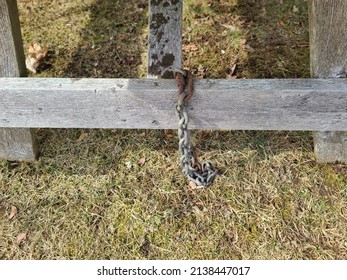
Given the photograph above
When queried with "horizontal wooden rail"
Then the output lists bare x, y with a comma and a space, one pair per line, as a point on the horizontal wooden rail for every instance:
273, 104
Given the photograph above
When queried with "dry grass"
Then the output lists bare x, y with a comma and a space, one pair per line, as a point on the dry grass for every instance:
87, 197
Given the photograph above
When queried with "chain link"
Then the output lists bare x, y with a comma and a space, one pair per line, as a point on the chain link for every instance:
201, 174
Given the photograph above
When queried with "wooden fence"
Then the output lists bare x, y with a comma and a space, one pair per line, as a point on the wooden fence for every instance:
266, 104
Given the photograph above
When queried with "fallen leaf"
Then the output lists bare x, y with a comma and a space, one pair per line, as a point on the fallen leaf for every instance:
192, 185
35, 56
249, 48
83, 135
20, 237
31, 64
201, 68
233, 69
168, 133
228, 26
31, 49
295, 9
209, 22
142, 161
189, 47
36, 51
13, 212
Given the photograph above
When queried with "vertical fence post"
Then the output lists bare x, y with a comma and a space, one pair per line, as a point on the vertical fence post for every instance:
15, 144
164, 37
328, 50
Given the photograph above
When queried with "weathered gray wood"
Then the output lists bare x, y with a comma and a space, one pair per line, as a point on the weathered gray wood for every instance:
164, 37
12, 146
328, 47
12, 60
328, 38
289, 104
15, 144
330, 146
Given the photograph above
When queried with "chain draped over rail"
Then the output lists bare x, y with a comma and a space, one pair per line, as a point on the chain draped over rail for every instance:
201, 174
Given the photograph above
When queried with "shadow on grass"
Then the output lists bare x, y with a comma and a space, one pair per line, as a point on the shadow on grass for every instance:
113, 41
277, 38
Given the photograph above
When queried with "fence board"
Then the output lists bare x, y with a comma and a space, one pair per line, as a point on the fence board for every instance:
15, 144
328, 47
288, 104
165, 37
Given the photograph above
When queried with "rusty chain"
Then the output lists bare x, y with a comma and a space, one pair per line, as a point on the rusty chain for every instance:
201, 174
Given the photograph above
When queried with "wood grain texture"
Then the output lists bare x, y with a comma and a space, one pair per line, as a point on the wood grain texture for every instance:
15, 144
328, 47
164, 37
12, 60
12, 146
289, 104
328, 38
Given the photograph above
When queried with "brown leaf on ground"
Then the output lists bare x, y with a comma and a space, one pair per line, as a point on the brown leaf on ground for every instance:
192, 185
142, 161
21, 237
243, 42
233, 69
82, 136
201, 68
190, 47
168, 133
35, 56
201, 72
13, 212
249, 48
